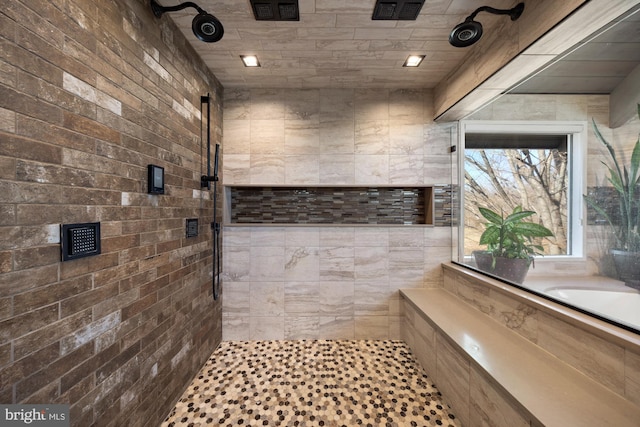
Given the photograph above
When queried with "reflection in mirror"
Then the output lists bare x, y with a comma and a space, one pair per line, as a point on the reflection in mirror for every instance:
542, 179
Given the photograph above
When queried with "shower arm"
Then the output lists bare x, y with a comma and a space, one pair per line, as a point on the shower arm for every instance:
158, 9
514, 12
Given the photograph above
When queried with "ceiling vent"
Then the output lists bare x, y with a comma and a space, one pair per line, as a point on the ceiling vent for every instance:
397, 10
274, 10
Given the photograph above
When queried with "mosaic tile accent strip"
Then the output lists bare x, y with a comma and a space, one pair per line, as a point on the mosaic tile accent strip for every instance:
328, 205
336, 383
609, 200
443, 207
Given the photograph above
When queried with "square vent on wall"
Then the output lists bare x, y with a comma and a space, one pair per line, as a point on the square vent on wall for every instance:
275, 10
402, 10
79, 240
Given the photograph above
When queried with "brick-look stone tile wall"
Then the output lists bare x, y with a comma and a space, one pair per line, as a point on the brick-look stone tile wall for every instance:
90, 94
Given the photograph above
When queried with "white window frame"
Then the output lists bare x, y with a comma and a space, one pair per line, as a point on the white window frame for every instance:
577, 148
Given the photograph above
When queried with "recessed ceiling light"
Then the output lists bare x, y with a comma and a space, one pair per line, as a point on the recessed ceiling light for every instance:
250, 60
413, 61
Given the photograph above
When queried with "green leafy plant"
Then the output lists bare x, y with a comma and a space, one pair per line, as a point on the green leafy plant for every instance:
626, 181
511, 236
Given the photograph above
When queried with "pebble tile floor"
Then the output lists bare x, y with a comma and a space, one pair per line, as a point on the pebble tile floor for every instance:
311, 383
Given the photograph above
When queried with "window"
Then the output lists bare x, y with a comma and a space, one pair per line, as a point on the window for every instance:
537, 166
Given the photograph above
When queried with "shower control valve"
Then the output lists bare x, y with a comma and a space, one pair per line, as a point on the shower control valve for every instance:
205, 180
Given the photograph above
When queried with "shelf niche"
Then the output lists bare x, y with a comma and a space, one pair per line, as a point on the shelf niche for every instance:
331, 205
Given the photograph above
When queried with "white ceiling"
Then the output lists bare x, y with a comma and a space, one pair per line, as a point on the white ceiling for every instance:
335, 44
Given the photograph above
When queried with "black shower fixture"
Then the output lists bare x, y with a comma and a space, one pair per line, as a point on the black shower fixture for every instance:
275, 10
470, 31
205, 26
399, 10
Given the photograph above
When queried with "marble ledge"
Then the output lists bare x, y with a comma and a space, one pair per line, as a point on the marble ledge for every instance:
548, 392
622, 337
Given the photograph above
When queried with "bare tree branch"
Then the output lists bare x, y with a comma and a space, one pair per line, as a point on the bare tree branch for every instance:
534, 179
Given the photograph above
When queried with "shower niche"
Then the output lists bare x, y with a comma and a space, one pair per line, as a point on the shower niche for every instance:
384, 205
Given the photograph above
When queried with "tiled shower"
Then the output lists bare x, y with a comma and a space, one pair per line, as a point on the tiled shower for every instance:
83, 113
98, 91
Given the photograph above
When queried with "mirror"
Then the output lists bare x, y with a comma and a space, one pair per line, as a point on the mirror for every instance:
508, 158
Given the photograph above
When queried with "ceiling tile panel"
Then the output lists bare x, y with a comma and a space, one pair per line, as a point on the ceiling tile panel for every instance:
337, 44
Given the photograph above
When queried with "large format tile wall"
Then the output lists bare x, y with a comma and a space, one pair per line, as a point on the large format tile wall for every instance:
329, 281
90, 94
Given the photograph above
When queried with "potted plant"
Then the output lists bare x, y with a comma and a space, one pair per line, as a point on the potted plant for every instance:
625, 226
510, 245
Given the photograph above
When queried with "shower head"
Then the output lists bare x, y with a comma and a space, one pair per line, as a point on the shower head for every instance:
468, 32
205, 26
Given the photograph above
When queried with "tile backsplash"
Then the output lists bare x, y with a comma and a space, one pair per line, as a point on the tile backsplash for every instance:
329, 205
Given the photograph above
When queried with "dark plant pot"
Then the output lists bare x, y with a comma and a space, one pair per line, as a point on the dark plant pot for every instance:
513, 270
627, 266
